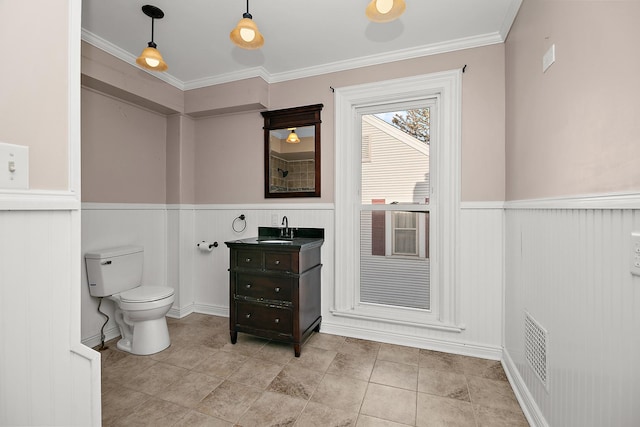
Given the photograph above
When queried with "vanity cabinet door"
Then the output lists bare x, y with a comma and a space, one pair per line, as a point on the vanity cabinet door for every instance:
261, 287
266, 317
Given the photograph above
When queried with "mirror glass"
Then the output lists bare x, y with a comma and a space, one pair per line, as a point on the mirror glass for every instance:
292, 152
292, 160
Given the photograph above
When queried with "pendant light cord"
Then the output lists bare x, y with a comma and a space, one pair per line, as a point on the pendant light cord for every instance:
153, 20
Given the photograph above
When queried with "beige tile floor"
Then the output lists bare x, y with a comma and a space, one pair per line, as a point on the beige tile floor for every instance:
204, 380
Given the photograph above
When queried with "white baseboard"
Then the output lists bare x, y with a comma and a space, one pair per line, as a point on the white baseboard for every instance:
525, 399
180, 312
484, 352
213, 310
110, 333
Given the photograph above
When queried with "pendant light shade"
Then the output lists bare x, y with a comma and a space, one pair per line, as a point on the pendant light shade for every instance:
385, 10
150, 58
246, 34
293, 137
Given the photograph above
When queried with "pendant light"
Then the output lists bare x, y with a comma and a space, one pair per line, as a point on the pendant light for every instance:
293, 137
246, 34
385, 10
150, 57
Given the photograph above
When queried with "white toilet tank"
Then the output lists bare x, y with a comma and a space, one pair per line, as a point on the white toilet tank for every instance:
114, 270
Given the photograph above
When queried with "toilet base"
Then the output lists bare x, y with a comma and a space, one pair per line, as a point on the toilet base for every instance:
149, 337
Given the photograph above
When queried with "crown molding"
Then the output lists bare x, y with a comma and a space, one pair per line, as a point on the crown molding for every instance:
509, 17
228, 77
125, 56
398, 55
364, 61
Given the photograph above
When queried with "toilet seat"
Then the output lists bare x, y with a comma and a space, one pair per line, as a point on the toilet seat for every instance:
146, 294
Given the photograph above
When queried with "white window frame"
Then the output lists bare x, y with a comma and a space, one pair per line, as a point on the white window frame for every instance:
350, 104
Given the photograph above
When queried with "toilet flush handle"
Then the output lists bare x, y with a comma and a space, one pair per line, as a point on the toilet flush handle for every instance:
105, 262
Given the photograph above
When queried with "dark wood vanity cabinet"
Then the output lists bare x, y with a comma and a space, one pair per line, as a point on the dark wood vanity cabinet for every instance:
275, 289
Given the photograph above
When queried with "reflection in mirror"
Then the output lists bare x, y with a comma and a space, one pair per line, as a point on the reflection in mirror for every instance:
292, 152
292, 159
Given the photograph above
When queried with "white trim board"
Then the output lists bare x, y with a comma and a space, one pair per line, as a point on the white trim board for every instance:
528, 404
95, 340
462, 348
629, 200
221, 207
31, 200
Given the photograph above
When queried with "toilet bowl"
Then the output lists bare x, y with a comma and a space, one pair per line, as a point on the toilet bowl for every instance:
140, 316
116, 274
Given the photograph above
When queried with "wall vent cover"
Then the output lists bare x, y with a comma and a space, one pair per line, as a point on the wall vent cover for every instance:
535, 337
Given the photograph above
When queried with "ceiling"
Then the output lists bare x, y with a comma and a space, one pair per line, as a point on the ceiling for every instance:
302, 37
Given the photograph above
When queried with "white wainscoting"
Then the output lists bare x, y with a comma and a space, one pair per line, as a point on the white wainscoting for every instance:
107, 225
480, 274
214, 223
181, 254
46, 376
169, 234
569, 269
201, 278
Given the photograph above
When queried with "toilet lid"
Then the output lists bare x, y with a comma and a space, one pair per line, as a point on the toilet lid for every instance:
146, 293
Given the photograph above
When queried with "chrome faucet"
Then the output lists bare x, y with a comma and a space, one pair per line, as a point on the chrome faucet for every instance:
286, 231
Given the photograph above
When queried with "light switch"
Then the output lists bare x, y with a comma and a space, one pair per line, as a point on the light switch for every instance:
14, 166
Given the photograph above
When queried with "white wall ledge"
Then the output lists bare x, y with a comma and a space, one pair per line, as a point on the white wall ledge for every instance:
30, 200
629, 200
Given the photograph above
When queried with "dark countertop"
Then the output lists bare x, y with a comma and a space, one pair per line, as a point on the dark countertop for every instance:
304, 238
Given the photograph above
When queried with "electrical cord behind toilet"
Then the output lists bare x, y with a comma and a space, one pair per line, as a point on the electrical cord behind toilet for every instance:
102, 337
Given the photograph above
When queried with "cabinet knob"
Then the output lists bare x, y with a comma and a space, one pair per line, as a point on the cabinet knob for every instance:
277, 290
248, 285
277, 321
277, 261
248, 315
247, 260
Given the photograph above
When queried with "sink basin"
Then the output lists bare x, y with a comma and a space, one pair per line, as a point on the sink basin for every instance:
282, 242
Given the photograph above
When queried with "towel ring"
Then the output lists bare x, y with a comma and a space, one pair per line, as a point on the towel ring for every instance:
244, 224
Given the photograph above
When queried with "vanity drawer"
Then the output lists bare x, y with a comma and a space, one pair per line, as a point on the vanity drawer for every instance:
267, 317
249, 259
263, 287
280, 261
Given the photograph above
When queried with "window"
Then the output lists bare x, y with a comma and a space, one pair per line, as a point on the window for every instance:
405, 233
396, 224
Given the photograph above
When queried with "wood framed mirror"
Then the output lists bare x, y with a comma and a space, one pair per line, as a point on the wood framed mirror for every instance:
292, 152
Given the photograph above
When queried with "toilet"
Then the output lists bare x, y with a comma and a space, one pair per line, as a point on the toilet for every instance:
116, 274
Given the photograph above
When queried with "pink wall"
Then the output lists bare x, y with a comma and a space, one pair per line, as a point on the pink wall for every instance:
180, 159
227, 150
229, 159
574, 129
43, 129
123, 152
106, 73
